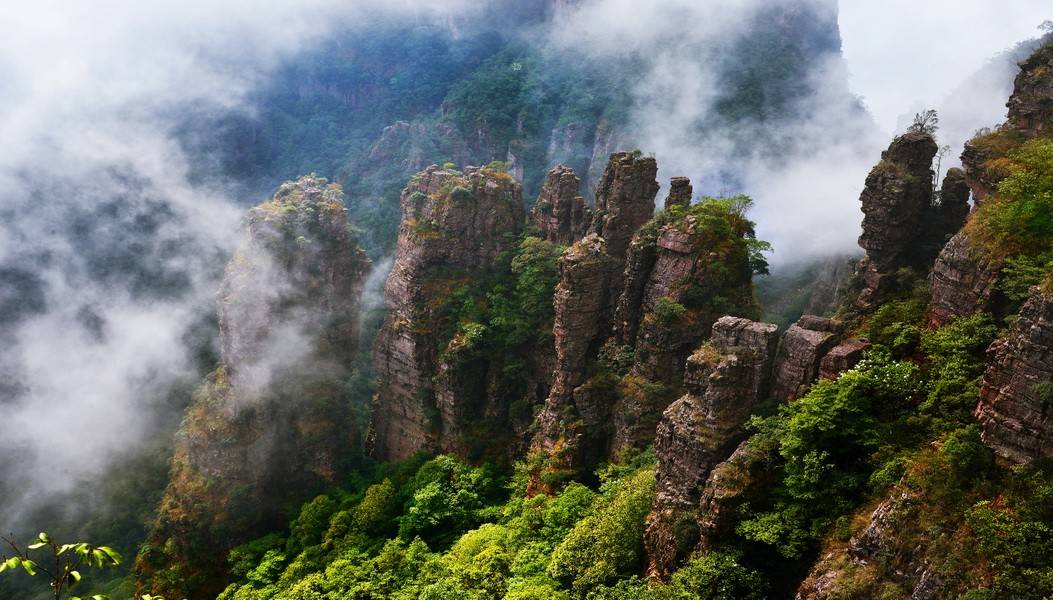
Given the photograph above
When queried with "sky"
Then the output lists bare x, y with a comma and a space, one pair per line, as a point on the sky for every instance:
907, 53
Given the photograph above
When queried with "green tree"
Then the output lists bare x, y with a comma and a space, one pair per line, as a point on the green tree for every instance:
61, 564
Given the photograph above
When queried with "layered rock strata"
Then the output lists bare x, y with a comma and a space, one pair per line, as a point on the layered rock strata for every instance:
897, 206
624, 200
724, 379
453, 225
560, 212
1016, 393
842, 357
679, 192
1031, 105
962, 282
581, 303
273, 421
801, 353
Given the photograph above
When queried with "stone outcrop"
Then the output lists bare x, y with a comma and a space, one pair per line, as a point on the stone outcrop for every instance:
679, 192
581, 304
664, 318
624, 200
560, 212
952, 209
962, 282
273, 421
743, 477
1030, 115
897, 206
883, 555
453, 225
1016, 393
800, 355
650, 302
306, 272
1031, 105
843, 357
724, 379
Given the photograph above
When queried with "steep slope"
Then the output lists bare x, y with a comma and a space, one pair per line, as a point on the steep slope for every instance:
454, 226
272, 422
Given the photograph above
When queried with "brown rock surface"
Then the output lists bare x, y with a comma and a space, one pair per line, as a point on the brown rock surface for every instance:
453, 224
1016, 393
560, 212
800, 354
880, 556
897, 206
273, 420
624, 200
842, 358
962, 282
1031, 105
582, 314
724, 379
679, 192
743, 476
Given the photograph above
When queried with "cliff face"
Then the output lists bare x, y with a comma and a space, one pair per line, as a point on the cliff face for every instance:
647, 301
624, 200
453, 224
560, 212
1016, 395
897, 204
965, 278
272, 422
572, 426
725, 379
962, 281
673, 311
801, 353
1031, 105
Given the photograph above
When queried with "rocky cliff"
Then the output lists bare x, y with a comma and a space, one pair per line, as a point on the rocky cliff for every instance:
801, 353
1031, 105
963, 281
636, 297
272, 422
560, 212
572, 427
897, 203
965, 277
725, 379
624, 200
1016, 396
454, 225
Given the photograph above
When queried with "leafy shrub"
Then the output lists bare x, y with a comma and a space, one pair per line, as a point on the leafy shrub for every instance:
718, 576
449, 499
609, 542
1019, 220
826, 440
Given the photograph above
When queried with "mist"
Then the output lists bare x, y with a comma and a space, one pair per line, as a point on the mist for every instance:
111, 252
898, 58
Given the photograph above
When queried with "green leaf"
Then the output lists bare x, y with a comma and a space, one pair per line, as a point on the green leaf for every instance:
11, 563
112, 554
44, 537
36, 545
75, 576
30, 567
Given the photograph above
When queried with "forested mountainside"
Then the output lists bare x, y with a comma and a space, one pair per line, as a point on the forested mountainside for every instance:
369, 111
578, 402
563, 386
